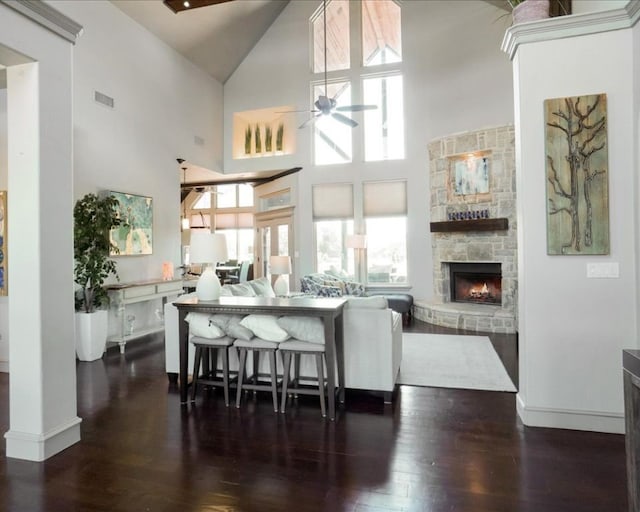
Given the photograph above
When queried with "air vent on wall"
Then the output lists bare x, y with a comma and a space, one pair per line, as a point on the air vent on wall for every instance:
105, 100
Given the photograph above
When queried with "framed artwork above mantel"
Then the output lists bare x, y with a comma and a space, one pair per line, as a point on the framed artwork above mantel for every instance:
469, 178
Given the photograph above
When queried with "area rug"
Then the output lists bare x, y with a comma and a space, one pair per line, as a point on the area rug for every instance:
452, 361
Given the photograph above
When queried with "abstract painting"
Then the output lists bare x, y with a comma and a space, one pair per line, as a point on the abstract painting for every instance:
577, 169
134, 236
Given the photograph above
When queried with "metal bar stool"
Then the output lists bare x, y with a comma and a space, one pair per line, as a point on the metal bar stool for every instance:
297, 349
211, 376
253, 382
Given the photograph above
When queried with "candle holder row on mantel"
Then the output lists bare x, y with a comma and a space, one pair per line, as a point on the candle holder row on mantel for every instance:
468, 215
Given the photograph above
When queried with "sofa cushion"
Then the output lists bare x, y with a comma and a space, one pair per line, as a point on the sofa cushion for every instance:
200, 324
265, 327
303, 328
375, 302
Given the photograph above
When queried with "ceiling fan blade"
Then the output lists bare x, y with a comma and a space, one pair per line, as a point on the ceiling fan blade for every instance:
309, 121
356, 108
344, 119
295, 111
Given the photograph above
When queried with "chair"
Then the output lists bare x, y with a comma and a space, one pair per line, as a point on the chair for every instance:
297, 349
252, 382
210, 375
243, 274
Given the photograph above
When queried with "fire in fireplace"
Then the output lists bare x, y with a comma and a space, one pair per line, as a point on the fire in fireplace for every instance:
478, 283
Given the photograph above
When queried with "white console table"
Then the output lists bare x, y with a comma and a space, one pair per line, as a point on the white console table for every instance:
123, 294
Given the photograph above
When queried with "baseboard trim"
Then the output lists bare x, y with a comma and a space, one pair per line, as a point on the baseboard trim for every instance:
39, 447
592, 421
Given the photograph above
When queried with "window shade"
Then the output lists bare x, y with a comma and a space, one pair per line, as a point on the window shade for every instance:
333, 201
234, 220
385, 198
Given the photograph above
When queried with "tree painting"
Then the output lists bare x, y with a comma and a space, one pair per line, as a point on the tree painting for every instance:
134, 235
577, 175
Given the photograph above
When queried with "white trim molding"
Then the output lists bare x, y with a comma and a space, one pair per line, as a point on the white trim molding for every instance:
572, 25
38, 447
47, 16
592, 421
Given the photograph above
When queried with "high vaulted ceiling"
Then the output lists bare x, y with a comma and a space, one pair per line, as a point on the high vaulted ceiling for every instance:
218, 37
215, 38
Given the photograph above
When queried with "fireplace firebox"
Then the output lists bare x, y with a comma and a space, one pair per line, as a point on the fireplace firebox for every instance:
478, 283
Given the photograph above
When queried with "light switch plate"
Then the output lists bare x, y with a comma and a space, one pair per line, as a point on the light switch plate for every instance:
609, 270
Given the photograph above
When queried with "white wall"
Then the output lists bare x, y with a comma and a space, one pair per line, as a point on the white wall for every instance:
456, 79
573, 329
162, 102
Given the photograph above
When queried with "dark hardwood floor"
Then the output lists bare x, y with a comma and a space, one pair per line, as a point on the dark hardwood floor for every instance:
434, 450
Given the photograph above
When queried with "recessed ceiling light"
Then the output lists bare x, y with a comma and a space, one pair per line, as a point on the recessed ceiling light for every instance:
186, 4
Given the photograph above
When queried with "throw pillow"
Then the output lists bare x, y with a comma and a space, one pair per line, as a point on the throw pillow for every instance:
236, 330
242, 290
262, 287
265, 327
201, 325
221, 320
303, 328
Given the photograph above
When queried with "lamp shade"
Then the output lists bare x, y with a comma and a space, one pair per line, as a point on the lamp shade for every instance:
356, 241
280, 265
207, 247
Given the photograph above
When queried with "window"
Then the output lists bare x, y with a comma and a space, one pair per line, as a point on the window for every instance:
384, 126
332, 141
377, 37
333, 221
380, 32
385, 214
338, 47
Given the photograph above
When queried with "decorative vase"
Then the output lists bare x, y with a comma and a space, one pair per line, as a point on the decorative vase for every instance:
91, 334
530, 10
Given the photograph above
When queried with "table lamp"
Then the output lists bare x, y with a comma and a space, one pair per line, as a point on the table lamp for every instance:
280, 266
208, 249
358, 243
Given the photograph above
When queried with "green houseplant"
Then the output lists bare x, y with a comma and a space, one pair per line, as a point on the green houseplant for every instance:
93, 217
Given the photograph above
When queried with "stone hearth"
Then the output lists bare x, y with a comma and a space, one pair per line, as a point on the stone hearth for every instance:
473, 245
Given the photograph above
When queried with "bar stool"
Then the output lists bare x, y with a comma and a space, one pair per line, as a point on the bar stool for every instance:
297, 349
211, 376
257, 346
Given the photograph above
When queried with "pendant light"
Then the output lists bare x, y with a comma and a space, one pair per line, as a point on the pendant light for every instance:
185, 219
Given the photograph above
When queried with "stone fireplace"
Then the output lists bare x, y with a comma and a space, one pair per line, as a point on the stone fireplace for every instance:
473, 235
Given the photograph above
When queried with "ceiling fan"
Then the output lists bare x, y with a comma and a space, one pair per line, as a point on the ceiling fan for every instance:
325, 106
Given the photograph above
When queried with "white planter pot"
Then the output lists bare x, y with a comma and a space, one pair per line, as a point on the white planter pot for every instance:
530, 10
91, 335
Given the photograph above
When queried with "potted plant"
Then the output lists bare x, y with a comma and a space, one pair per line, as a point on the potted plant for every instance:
93, 217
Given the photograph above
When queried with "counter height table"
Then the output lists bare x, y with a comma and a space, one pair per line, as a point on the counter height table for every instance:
329, 310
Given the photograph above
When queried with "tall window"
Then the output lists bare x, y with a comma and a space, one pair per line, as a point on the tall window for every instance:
384, 126
377, 37
385, 215
333, 221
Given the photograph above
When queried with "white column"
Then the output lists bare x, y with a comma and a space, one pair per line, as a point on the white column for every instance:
43, 415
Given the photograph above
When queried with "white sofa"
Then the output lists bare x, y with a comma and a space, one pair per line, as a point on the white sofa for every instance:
372, 346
